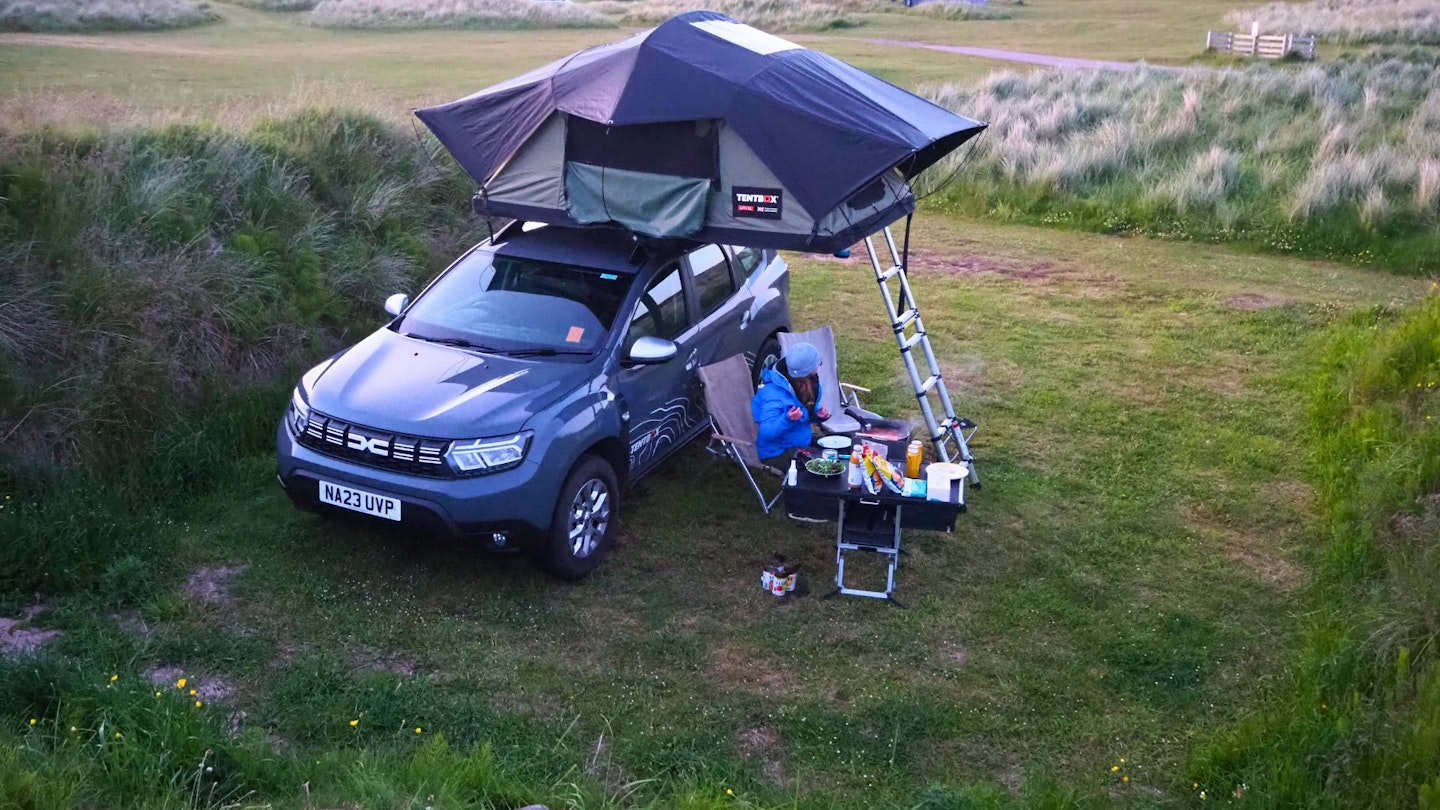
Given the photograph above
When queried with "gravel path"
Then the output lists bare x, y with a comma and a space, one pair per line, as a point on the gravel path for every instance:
1047, 60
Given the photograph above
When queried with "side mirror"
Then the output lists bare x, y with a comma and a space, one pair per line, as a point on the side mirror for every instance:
396, 304
650, 350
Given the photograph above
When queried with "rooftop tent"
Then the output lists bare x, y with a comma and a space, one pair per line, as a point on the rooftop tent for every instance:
702, 128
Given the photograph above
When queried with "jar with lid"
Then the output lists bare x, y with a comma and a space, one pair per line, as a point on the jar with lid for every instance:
913, 455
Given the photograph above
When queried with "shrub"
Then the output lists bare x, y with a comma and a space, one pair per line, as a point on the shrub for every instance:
1347, 21
101, 15
1335, 160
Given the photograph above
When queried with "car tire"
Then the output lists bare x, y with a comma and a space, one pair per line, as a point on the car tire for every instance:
583, 528
768, 355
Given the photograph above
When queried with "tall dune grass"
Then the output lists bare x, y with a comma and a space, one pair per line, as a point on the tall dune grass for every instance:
1357, 721
771, 15
276, 5
1335, 160
101, 15
486, 14
780, 16
1348, 21
233, 249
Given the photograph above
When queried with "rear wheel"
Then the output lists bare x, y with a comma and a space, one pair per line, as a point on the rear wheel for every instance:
582, 530
768, 356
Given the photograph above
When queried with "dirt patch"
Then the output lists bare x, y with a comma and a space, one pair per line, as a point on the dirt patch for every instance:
731, 668
212, 586
1249, 302
953, 653
17, 639
763, 742
209, 688
392, 661
924, 262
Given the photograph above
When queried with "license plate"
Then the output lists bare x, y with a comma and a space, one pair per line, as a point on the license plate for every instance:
358, 500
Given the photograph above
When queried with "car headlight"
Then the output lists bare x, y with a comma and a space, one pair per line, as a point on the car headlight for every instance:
476, 456
298, 414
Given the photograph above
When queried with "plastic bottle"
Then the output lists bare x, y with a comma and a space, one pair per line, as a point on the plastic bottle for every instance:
856, 471
792, 476
913, 455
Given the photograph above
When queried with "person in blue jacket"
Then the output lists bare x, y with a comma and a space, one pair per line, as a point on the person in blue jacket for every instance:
787, 402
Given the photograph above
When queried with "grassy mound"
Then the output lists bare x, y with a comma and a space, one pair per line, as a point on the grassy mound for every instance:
1358, 722
101, 15
1347, 21
769, 15
148, 271
1339, 160
483, 14
277, 5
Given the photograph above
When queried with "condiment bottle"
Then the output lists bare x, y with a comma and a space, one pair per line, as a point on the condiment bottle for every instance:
913, 454
856, 470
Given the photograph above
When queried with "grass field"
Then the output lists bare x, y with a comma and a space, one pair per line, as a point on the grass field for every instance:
1136, 583
209, 72
1127, 576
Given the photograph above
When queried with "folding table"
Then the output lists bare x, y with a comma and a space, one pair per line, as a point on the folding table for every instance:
869, 523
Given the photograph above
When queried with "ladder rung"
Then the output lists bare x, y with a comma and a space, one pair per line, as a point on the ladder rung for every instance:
927, 385
906, 319
891, 273
910, 342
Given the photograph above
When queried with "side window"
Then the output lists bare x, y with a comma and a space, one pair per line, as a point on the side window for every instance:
748, 258
661, 311
713, 283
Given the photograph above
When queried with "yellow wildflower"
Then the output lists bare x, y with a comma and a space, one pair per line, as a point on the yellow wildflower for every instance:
192, 691
114, 678
354, 723
32, 721
197, 704
729, 792
1114, 768
419, 730
1125, 778
180, 684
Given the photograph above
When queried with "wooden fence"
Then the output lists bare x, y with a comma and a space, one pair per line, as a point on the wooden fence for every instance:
1276, 46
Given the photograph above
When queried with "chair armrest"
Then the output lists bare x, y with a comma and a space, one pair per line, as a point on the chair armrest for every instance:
722, 437
849, 394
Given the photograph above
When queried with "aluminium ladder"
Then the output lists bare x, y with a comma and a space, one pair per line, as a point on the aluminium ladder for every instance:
949, 434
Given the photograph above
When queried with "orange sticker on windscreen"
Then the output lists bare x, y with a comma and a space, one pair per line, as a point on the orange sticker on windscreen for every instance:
574, 335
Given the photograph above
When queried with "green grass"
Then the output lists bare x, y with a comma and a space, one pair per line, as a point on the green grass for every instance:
1123, 579
253, 61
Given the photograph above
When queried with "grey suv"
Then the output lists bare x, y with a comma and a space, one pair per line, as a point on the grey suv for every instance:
507, 402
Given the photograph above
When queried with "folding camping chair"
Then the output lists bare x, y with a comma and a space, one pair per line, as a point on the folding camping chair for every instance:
841, 399
728, 391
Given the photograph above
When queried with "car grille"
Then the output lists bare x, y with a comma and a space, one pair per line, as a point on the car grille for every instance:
375, 448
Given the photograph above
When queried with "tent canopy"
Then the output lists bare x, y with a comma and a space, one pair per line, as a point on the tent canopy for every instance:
702, 128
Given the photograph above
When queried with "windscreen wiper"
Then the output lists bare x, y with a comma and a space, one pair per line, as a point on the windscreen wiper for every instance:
457, 342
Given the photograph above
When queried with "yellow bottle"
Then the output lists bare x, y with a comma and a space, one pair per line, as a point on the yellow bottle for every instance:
913, 455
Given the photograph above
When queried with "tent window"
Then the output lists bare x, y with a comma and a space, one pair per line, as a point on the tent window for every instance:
679, 149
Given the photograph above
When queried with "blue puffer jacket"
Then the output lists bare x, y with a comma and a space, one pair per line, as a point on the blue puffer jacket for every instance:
772, 402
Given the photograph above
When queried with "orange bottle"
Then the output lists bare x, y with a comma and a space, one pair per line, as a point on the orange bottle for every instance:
913, 455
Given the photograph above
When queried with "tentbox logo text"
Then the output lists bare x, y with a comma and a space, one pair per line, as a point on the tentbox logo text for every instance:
756, 203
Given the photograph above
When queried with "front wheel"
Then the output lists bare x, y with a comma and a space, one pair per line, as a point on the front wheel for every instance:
768, 356
582, 530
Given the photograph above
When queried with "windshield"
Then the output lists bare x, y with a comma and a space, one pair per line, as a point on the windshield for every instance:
509, 303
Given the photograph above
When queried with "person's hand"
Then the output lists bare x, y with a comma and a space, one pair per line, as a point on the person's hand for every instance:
823, 413
795, 414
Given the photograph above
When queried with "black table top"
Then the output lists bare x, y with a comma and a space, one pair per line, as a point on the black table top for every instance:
836, 486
